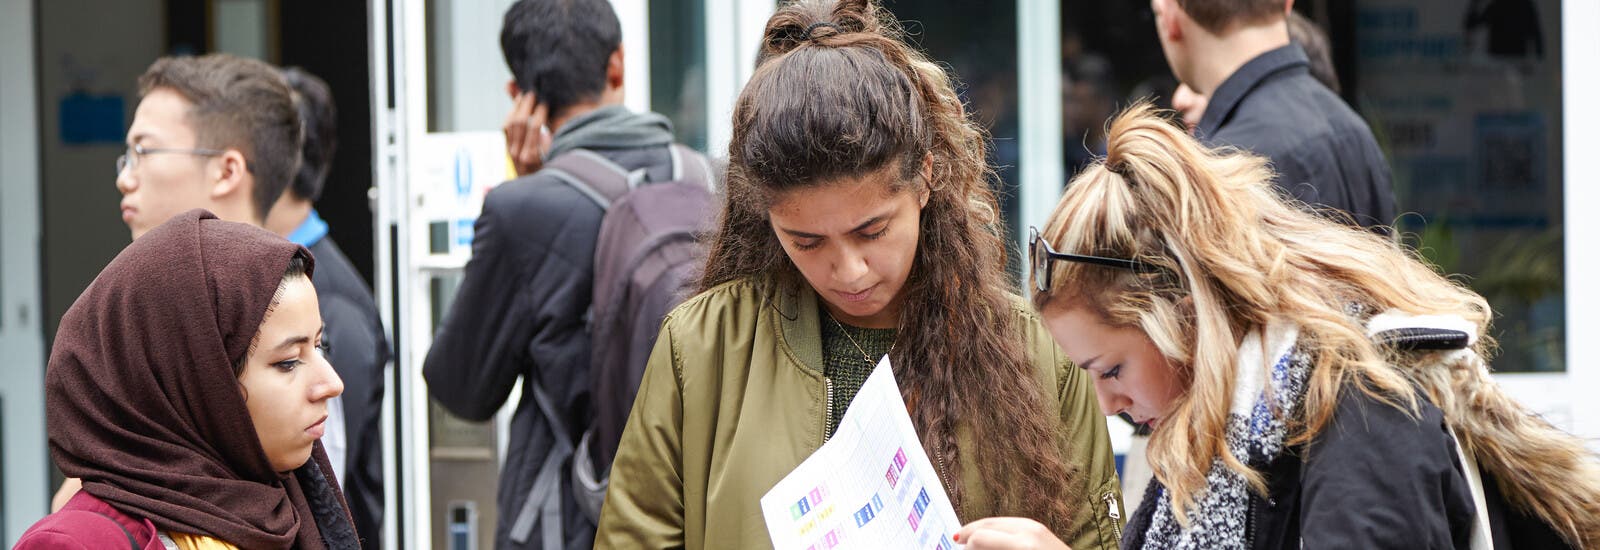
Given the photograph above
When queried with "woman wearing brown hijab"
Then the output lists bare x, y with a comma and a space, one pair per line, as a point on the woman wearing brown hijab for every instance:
187, 388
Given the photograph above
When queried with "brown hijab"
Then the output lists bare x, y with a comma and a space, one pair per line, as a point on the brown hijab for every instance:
143, 402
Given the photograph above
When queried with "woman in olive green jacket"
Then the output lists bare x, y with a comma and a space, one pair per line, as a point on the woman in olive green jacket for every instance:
858, 222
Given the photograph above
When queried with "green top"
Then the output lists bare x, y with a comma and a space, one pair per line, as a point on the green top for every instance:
849, 353
734, 399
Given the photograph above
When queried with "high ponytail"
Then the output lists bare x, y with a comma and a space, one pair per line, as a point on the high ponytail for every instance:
801, 123
1233, 253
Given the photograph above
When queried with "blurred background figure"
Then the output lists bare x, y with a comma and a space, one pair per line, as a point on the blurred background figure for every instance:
358, 348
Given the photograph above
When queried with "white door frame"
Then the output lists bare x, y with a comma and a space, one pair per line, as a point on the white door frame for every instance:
25, 458
1580, 77
1567, 399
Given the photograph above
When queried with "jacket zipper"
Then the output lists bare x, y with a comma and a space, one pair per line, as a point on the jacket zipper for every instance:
944, 476
1250, 524
1111, 511
827, 433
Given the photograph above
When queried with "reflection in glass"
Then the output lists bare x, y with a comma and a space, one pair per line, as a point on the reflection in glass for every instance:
678, 68
977, 41
1466, 99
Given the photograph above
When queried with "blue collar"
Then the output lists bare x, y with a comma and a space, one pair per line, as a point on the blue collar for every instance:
310, 231
1245, 80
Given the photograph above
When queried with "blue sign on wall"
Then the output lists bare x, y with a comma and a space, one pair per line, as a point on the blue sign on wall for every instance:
91, 119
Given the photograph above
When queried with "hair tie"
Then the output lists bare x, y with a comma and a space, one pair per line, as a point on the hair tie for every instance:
806, 36
1120, 167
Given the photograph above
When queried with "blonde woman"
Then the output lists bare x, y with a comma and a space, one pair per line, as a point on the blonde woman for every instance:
1309, 385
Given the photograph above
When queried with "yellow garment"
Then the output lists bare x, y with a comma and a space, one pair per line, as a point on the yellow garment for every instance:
187, 541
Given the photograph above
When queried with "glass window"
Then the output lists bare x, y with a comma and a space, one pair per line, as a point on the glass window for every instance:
678, 67
1465, 97
977, 42
1465, 100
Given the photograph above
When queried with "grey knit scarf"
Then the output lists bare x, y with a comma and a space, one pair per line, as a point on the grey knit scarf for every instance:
1263, 397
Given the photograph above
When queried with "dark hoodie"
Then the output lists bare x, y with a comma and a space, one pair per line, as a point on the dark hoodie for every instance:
520, 309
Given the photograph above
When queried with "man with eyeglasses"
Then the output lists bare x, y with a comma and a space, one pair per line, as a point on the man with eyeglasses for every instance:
217, 132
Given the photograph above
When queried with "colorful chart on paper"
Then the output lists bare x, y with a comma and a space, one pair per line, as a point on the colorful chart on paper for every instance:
870, 486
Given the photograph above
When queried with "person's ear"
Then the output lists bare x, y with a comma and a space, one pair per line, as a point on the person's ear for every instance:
512, 90
926, 190
614, 66
230, 175
1169, 21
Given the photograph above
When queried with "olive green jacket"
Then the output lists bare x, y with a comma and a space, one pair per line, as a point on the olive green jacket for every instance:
733, 399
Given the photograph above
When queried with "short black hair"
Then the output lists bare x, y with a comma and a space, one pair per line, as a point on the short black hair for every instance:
238, 103
558, 49
1217, 16
320, 116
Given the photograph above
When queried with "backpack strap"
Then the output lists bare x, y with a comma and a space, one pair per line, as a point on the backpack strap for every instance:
594, 175
543, 505
690, 165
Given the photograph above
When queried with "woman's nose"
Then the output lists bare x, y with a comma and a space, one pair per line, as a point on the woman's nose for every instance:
851, 265
1111, 403
330, 386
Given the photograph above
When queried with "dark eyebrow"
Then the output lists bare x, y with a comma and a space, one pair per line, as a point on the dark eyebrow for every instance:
864, 225
293, 341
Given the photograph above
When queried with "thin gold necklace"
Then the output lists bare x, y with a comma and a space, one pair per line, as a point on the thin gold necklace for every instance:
846, 332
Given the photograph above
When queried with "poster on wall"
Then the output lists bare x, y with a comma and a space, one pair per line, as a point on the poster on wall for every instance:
1465, 97
455, 170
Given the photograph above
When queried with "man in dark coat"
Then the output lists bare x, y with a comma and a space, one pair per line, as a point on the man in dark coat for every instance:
358, 347
520, 311
1263, 99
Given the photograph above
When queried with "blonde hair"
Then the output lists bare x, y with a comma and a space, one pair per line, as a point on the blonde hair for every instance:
1233, 253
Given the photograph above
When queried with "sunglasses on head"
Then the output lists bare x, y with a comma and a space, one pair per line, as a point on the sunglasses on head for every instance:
1040, 254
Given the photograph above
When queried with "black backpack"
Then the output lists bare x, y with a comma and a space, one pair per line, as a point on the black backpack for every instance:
646, 259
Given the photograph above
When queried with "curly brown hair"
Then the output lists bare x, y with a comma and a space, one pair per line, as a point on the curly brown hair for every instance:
838, 93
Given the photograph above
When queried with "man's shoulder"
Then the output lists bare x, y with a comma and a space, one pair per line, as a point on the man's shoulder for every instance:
1284, 116
541, 191
335, 274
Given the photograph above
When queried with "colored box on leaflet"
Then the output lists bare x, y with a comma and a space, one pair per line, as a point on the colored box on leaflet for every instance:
922, 497
900, 458
864, 515
832, 539
877, 503
892, 476
816, 496
913, 519
804, 506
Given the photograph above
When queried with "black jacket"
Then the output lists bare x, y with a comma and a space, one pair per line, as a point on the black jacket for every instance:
521, 312
1374, 478
1323, 152
358, 350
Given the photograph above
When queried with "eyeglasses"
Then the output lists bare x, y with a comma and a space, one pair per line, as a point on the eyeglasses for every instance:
130, 159
1040, 254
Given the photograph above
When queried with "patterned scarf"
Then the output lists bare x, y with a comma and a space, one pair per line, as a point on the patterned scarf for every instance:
1256, 432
